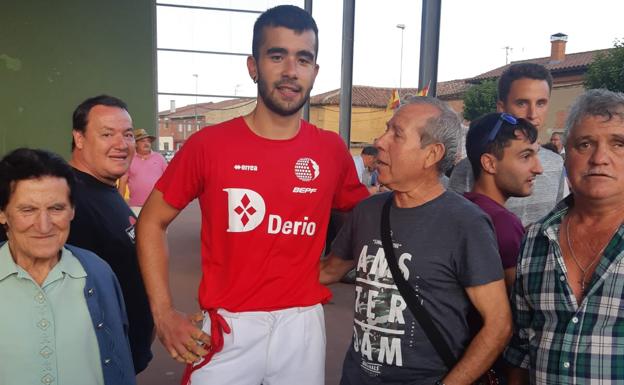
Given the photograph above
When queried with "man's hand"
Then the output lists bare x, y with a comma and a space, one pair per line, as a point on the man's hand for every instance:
334, 268
184, 341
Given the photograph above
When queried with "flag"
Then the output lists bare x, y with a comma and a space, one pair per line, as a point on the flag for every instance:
394, 101
425, 90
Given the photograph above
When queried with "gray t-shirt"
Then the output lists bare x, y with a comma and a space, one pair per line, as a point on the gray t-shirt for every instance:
442, 247
548, 189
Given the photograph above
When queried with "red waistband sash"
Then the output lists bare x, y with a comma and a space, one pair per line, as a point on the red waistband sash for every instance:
217, 327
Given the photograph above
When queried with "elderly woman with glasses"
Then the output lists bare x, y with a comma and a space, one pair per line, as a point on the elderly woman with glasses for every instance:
63, 317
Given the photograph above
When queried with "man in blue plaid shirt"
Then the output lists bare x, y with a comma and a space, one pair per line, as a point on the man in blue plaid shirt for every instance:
567, 299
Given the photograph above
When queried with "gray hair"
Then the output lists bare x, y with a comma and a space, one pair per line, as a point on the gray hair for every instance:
598, 102
444, 128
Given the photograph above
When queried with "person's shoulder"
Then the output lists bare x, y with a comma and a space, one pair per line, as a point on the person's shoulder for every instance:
461, 208
501, 216
159, 156
462, 167
323, 134
375, 201
550, 160
226, 129
89, 260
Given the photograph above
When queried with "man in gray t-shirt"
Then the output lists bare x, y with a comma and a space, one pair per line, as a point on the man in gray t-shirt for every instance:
524, 91
446, 249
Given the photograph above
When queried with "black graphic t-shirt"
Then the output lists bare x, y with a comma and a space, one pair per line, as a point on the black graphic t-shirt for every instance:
442, 247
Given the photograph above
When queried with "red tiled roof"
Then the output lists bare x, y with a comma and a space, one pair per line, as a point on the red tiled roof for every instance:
365, 96
571, 62
202, 108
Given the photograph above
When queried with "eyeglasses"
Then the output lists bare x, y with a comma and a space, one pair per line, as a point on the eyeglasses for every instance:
504, 117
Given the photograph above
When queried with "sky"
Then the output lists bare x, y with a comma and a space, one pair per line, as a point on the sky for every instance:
473, 37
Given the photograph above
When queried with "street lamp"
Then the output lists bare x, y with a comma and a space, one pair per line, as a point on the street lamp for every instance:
196, 76
402, 28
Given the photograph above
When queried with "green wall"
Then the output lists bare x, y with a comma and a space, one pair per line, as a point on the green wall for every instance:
55, 54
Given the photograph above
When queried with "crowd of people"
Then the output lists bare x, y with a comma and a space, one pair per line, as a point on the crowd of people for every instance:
503, 277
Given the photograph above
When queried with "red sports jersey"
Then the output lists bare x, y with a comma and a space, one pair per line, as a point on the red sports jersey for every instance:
265, 207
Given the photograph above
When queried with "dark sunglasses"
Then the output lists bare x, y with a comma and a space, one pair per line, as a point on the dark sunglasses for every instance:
504, 117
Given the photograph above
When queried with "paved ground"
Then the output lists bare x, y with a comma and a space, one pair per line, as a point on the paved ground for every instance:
185, 274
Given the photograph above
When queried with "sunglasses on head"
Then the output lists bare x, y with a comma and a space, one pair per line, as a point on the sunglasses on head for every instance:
504, 117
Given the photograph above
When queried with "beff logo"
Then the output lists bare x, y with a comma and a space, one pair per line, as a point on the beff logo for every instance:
246, 210
307, 169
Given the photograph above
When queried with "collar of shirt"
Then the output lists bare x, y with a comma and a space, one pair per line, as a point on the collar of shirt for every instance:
68, 264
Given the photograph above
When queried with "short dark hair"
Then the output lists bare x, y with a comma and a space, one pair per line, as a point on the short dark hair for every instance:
481, 128
79, 118
370, 150
287, 16
26, 163
520, 71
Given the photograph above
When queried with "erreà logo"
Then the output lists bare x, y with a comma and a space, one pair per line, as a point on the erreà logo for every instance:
246, 209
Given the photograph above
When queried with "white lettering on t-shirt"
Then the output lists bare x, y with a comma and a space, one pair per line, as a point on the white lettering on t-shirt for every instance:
358, 291
397, 305
390, 351
367, 348
372, 295
380, 307
277, 225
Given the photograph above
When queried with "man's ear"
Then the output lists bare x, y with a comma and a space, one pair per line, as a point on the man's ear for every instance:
79, 139
252, 68
500, 106
488, 163
435, 154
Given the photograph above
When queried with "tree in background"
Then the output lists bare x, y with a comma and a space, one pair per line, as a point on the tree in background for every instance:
607, 69
480, 99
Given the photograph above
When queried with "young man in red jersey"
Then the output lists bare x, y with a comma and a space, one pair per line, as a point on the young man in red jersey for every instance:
266, 183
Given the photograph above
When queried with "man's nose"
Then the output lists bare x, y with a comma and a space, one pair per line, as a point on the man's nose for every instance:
290, 67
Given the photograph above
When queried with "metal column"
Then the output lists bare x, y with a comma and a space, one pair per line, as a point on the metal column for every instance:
429, 45
346, 82
306, 107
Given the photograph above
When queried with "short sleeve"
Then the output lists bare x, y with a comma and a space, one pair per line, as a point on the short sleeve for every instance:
183, 180
478, 260
350, 191
342, 246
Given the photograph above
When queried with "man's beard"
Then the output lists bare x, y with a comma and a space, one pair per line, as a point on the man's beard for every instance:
263, 91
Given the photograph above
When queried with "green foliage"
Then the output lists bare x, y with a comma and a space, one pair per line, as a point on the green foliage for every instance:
480, 99
607, 69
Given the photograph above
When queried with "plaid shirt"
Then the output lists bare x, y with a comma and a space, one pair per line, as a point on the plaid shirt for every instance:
559, 341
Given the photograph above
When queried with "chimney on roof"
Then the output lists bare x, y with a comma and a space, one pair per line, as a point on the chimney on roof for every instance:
172, 106
557, 47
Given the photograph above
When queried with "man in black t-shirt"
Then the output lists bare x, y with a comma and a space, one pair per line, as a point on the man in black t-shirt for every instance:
446, 250
102, 149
